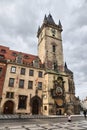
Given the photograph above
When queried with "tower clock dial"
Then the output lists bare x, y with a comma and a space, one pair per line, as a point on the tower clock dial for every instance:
53, 31
59, 91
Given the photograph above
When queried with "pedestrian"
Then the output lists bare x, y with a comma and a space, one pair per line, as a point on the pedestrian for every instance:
69, 118
84, 114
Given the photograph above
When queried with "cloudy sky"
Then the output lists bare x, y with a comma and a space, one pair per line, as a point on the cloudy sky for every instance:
19, 21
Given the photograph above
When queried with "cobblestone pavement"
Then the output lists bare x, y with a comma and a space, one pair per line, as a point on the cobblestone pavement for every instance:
74, 125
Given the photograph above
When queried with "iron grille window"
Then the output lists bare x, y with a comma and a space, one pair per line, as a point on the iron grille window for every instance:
21, 83
11, 82
22, 104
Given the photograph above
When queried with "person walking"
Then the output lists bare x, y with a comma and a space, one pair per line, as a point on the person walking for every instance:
84, 114
69, 118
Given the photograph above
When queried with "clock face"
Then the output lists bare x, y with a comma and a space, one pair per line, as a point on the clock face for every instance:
59, 91
53, 31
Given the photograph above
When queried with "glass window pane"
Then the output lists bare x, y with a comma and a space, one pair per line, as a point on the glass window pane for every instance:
21, 83
31, 72
23, 71
11, 82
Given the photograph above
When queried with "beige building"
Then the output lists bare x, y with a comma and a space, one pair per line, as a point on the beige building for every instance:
40, 84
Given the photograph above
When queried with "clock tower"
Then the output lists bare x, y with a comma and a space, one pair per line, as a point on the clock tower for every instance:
58, 90
50, 49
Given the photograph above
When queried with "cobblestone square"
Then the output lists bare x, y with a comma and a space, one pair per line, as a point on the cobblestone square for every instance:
75, 125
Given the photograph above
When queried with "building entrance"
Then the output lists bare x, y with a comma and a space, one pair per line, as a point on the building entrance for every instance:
36, 103
8, 107
35, 107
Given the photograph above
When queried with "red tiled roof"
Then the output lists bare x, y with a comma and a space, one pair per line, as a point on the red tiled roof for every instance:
12, 54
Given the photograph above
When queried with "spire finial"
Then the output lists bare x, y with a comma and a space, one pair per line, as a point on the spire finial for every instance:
60, 24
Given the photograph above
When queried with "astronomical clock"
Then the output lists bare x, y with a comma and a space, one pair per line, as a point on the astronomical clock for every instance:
57, 93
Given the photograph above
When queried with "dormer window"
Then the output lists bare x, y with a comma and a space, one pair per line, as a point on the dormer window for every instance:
19, 59
36, 63
26, 56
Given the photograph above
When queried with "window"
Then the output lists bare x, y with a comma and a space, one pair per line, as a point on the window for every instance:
45, 107
30, 84
54, 48
40, 74
21, 83
9, 95
22, 102
31, 72
1, 57
39, 85
14, 54
26, 56
19, 58
0, 70
13, 69
11, 82
3, 51
53, 32
23, 71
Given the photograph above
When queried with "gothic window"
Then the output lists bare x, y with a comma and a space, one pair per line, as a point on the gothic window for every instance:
21, 83
9, 95
23, 71
11, 82
30, 84
22, 102
31, 72
54, 48
13, 69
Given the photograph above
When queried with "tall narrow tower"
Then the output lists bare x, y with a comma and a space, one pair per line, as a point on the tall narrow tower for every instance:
58, 86
50, 44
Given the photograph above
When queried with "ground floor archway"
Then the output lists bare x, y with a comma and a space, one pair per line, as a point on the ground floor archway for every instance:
8, 107
36, 104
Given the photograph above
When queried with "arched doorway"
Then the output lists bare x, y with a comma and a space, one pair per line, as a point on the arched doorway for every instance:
8, 107
36, 103
35, 107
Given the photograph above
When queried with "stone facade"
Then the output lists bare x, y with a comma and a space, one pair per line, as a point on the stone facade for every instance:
40, 84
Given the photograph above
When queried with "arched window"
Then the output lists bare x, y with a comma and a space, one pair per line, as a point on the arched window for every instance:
54, 48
